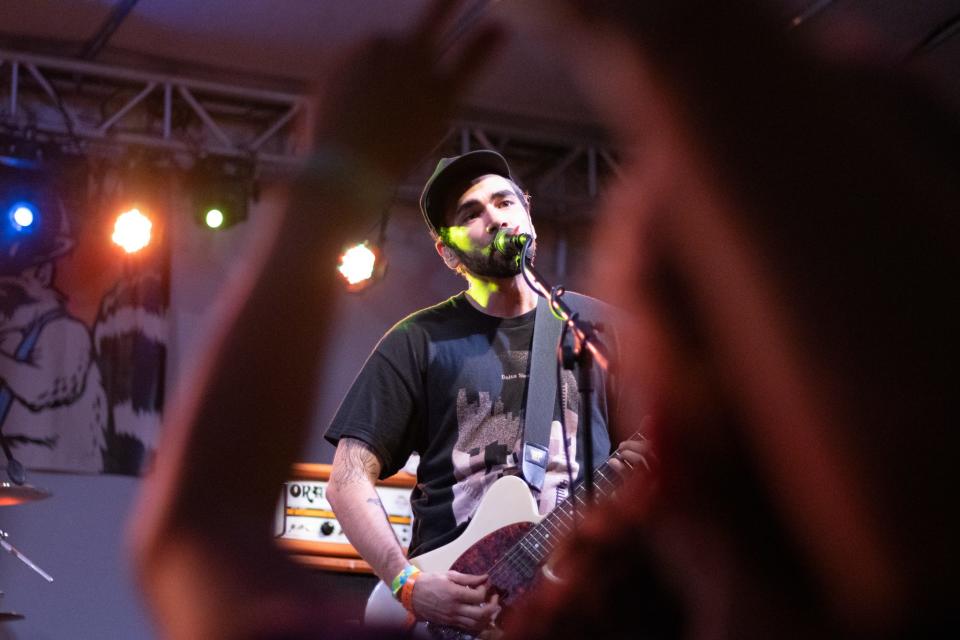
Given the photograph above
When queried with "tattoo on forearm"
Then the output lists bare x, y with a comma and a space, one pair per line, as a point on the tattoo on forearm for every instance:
379, 505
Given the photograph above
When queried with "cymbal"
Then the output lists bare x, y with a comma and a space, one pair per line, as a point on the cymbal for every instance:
19, 493
7, 616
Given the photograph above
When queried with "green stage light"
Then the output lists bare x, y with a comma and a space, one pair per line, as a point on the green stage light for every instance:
221, 190
214, 218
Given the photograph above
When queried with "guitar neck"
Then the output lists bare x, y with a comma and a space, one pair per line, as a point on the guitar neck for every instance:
541, 540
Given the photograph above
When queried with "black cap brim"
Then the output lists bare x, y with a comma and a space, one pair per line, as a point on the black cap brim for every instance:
453, 172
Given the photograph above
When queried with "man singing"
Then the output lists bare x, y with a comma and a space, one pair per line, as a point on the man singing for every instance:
449, 383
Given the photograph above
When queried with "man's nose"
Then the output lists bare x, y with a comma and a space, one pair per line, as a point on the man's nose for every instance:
496, 225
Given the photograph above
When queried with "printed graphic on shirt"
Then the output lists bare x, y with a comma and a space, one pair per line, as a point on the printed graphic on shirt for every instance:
490, 441
489, 435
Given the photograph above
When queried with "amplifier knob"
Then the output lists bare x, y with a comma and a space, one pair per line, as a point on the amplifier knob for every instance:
326, 528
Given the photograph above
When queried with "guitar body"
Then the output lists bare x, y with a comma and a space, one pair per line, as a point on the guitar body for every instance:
505, 514
508, 502
507, 539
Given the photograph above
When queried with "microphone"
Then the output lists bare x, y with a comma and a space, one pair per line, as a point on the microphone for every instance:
509, 243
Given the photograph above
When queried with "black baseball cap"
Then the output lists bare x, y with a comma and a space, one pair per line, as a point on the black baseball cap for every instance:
453, 172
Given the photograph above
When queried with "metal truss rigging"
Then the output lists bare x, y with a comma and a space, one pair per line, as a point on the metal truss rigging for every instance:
98, 108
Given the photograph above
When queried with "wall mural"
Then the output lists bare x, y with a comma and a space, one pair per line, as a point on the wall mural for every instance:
83, 342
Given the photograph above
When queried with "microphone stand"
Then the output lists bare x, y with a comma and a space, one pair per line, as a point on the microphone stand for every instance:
588, 350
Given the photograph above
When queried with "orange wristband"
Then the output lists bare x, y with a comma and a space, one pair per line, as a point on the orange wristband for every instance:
406, 593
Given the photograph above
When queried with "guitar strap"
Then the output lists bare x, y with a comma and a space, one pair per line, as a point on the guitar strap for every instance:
541, 395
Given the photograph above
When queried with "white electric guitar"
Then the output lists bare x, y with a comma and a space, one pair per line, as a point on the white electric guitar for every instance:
507, 539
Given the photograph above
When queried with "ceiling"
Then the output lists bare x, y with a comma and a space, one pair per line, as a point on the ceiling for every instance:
252, 42
281, 43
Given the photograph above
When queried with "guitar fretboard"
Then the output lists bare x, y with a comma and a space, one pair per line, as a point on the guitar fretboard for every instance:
533, 548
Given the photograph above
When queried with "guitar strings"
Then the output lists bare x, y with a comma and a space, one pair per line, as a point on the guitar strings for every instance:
522, 551
518, 550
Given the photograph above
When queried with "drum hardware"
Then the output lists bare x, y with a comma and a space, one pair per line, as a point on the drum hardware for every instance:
24, 559
7, 616
11, 493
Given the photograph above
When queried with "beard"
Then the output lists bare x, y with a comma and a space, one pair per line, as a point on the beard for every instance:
493, 264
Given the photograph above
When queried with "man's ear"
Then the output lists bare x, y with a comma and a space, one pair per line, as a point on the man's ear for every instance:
449, 257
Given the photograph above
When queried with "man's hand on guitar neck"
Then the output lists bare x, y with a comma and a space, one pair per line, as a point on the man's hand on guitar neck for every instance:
456, 599
635, 454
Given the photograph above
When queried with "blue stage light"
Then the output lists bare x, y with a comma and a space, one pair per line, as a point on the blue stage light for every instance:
22, 215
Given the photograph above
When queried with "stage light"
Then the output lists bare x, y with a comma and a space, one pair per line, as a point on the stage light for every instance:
358, 265
22, 215
132, 230
221, 190
214, 218
363, 264
38, 197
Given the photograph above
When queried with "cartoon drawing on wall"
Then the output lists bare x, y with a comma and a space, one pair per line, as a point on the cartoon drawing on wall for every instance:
130, 337
76, 397
55, 409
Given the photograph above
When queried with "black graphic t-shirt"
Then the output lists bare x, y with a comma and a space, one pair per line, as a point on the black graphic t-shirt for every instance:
449, 383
